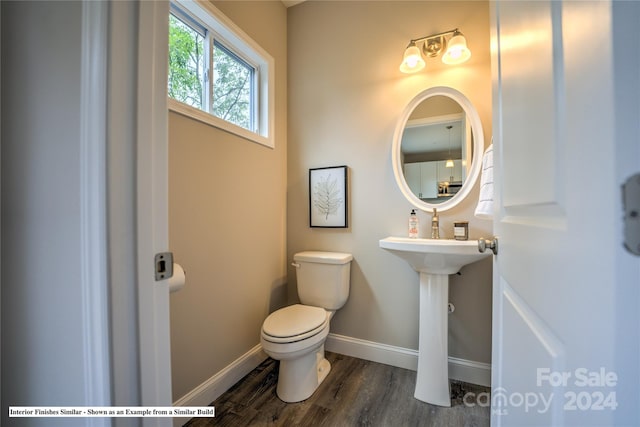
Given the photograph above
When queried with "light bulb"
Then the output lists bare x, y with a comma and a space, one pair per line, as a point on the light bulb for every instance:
457, 52
412, 61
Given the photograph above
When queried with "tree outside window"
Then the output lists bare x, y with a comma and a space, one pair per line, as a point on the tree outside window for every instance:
231, 86
186, 63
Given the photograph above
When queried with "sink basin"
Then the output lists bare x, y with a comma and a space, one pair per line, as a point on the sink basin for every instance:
434, 260
434, 256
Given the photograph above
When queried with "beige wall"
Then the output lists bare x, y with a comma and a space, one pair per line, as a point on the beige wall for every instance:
227, 221
345, 97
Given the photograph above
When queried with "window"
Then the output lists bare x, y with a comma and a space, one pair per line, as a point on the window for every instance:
233, 87
186, 62
217, 74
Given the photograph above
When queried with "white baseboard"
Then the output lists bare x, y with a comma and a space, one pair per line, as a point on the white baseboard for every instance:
459, 369
470, 371
373, 351
222, 381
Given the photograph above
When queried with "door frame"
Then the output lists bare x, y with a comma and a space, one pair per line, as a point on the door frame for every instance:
137, 175
93, 201
152, 206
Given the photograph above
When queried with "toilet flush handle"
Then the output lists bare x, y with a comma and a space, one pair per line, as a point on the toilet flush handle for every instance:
295, 264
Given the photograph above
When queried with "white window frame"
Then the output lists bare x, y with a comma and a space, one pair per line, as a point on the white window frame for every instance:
237, 40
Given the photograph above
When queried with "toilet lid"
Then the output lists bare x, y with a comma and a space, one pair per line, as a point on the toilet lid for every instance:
294, 320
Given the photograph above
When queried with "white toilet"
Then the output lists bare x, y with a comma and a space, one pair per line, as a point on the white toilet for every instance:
295, 335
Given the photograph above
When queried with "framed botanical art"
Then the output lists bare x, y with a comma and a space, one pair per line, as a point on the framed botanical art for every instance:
328, 197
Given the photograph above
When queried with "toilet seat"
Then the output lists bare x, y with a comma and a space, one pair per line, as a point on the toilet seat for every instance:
294, 323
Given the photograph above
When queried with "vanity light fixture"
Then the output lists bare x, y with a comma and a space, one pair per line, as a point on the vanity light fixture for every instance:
456, 53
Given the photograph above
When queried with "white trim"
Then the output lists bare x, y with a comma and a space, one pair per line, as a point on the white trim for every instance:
459, 369
226, 28
470, 371
152, 206
376, 352
211, 120
445, 118
222, 381
93, 196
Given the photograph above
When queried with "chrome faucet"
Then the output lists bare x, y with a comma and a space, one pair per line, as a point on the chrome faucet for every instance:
435, 225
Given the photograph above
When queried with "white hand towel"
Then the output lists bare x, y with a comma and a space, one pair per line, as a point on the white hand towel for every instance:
484, 209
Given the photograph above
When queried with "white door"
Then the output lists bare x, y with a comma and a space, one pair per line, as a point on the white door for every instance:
565, 303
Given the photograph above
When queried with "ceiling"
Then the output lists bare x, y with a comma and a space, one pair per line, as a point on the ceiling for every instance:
432, 138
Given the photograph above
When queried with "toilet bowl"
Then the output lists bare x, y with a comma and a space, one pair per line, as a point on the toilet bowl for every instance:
300, 351
295, 335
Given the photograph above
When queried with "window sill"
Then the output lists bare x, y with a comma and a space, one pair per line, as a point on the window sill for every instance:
211, 120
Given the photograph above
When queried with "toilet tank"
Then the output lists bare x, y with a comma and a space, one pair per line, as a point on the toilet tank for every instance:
323, 278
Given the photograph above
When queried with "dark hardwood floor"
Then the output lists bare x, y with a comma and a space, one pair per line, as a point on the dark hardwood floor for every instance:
356, 393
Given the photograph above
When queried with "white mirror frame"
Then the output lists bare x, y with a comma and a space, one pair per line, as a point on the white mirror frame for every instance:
478, 148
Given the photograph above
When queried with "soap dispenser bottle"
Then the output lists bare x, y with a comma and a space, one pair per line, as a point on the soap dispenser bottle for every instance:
413, 225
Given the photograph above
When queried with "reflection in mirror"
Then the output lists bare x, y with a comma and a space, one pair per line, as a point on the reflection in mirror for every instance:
437, 149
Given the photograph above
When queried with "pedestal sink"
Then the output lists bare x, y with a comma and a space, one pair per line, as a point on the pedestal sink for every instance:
434, 260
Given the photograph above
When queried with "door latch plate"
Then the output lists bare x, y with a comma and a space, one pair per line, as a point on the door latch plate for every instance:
631, 206
163, 265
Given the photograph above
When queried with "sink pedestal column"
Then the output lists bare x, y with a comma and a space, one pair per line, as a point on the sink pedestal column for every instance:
432, 381
435, 259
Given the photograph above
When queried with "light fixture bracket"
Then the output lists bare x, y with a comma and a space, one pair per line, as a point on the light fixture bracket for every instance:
438, 37
434, 45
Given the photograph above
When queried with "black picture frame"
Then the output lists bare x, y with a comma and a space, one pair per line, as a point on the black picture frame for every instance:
328, 197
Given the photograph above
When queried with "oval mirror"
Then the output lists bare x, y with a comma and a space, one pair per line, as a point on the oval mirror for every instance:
437, 149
